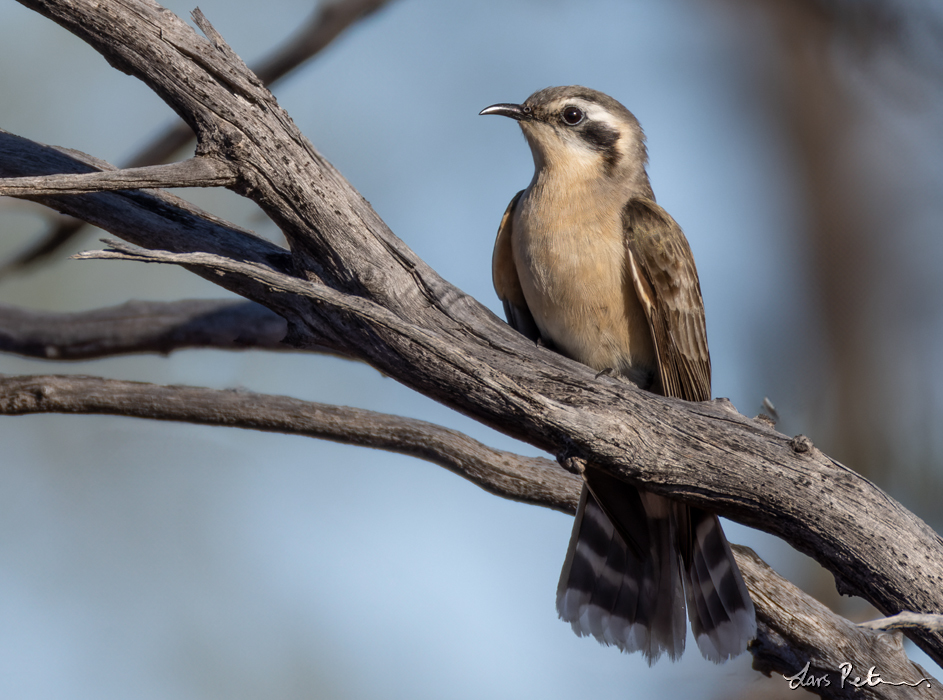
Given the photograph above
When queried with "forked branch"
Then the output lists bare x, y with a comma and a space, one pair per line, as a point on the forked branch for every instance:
351, 285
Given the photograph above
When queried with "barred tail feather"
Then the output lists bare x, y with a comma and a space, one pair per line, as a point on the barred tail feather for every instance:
721, 612
626, 596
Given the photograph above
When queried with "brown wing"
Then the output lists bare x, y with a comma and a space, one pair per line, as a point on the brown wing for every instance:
665, 279
506, 281
662, 267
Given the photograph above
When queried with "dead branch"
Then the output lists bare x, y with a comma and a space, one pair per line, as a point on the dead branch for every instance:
141, 327
795, 631
354, 286
195, 172
907, 620
528, 479
328, 21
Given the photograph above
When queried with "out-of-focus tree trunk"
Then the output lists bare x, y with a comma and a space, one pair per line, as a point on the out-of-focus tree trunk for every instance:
856, 91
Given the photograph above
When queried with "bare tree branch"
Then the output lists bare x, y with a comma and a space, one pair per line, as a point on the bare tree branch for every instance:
152, 218
354, 286
799, 633
794, 629
328, 21
141, 327
906, 620
195, 172
527, 479
818, 472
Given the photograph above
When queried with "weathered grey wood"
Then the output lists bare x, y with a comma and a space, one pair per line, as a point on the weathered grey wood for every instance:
195, 172
528, 479
328, 21
794, 629
906, 620
141, 327
364, 292
797, 630
152, 218
685, 450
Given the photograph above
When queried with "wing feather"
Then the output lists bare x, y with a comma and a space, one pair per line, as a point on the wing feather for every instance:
665, 279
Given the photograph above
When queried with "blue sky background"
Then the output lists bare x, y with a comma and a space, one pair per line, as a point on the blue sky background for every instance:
174, 561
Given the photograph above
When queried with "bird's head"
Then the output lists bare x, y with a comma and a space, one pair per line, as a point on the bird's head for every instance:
583, 131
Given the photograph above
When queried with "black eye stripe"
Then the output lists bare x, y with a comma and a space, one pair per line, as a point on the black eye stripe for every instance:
600, 136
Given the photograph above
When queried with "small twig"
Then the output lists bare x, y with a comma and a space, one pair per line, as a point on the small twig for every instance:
273, 280
326, 23
907, 620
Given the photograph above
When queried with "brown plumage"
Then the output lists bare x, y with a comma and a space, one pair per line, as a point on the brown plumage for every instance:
588, 263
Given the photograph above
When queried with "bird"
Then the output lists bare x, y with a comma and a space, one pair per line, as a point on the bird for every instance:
588, 264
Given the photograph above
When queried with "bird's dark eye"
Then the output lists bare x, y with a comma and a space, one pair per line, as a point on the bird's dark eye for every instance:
572, 115
527, 109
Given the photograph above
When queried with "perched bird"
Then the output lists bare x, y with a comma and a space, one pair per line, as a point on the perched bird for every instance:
588, 264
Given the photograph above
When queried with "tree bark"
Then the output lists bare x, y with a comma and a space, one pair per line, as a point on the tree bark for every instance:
797, 635
141, 327
326, 23
350, 285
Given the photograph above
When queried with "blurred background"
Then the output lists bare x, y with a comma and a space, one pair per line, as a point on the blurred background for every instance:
799, 143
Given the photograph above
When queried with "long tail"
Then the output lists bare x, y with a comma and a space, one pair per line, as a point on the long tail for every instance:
624, 597
622, 578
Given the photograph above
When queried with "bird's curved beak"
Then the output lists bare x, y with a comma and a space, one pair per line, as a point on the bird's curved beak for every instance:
507, 110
